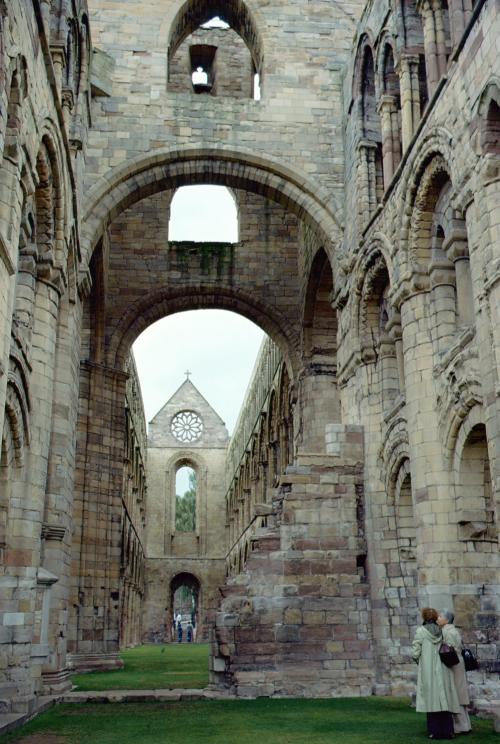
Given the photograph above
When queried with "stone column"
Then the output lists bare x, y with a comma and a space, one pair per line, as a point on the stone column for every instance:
410, 97
457, 251
56, 527
58, 54
68, 103
443, 299
98, 492
433, 499
430, 45
394, 329
45, 8
365, 201
441, 41
388, 112
460, 14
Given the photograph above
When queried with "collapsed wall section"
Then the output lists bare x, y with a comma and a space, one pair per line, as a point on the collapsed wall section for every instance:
296, 621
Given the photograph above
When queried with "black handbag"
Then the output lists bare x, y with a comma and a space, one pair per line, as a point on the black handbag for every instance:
470, 660
448, 655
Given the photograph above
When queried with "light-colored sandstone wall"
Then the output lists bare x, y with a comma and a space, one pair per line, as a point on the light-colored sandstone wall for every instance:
40, 313
232, 66
298, 119
439, 321
170, 552
369, 201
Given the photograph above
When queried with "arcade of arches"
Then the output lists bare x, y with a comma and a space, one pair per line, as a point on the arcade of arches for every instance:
362, 480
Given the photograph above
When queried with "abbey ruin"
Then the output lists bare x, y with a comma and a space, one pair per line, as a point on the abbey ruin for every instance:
361, 143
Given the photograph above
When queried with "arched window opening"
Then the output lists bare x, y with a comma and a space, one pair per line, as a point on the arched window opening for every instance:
370, 120
186, 491
370, 171
320, 347
234, 56
380, 330
320, 319
203, 214
378, 310
390, 79
422, 83
401, 579
407, 534
443, 251
491, 134
439, 267
475, 501
184, 610
390, 113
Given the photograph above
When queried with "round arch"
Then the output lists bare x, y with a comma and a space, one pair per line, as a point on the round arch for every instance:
168, 169
193, 584
165, 302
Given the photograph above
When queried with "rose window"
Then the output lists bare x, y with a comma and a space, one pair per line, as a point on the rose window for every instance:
186, 426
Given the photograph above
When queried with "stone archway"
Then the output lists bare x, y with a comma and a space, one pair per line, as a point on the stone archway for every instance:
138, 277
186, 600
168, 169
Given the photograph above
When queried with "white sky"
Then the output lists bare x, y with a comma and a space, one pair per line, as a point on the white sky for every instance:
203, 213
217, 346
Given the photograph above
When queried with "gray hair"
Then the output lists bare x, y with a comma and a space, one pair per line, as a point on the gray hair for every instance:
448, 614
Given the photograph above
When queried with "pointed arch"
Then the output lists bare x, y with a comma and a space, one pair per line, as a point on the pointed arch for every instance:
320, 319
194, 13
489, 117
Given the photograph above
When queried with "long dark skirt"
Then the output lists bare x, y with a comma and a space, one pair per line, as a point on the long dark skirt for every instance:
440, 725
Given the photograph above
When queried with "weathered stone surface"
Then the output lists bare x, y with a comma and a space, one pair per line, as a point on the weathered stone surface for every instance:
362, 481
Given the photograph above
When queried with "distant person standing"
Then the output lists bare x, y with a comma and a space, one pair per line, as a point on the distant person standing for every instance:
189, 634
179, 632
193, 624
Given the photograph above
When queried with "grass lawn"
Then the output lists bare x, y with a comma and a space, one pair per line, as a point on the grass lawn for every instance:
347, 721
153, 667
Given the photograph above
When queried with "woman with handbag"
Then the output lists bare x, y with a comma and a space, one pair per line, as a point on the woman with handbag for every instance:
451, 636
436, 693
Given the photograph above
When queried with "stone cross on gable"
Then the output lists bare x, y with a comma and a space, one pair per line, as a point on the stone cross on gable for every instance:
187, 373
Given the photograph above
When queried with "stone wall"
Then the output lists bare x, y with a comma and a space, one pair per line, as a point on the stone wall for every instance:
40, 313
194, 557
227, 62
367, 184
415, 309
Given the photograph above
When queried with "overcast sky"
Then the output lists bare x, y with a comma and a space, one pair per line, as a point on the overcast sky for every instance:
218, 347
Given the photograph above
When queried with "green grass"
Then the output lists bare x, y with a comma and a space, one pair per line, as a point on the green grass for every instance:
153, 667
263, 721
